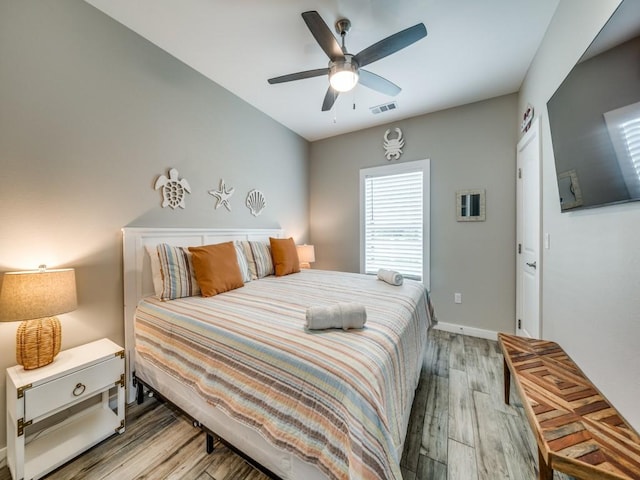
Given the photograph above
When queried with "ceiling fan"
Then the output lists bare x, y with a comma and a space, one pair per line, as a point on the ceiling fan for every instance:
345, 70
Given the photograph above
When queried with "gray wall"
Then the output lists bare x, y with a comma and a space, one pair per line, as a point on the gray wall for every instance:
590, 274
470, 147
90, 115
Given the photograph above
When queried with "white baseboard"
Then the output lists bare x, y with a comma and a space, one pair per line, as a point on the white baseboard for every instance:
3, 457
464, 330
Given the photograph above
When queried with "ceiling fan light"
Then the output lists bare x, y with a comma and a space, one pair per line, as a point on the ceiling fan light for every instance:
344, 80
343, 74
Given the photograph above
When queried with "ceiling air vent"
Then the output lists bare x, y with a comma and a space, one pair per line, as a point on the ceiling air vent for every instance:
385, 107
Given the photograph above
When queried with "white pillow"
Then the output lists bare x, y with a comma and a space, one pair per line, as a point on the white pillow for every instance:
156, 272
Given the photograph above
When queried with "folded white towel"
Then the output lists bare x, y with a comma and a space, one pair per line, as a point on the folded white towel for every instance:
390, 276
340, 315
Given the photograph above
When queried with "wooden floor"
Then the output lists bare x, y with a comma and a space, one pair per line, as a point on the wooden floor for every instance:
460, 429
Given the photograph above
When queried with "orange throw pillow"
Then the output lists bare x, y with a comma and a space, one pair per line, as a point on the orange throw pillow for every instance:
285, 256
216, 268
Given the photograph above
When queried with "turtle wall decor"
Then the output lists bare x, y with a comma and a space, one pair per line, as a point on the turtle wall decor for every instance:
173, 188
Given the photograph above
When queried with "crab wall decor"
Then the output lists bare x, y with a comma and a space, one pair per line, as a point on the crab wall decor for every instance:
393, 146
256, 202
173, 188
223, 195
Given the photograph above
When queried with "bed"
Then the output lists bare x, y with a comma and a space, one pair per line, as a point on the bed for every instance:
304, 404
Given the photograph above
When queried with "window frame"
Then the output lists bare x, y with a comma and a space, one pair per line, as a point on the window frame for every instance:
395, 169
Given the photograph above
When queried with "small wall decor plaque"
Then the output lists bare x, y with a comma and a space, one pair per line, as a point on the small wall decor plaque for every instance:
527, 118
470, 205
173, 188
222, 195
256, 202
393, 146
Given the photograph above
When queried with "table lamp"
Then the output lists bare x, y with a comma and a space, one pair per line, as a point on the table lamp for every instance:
35, 297
306, 255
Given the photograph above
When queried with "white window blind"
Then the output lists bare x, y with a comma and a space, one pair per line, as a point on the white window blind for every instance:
393, 219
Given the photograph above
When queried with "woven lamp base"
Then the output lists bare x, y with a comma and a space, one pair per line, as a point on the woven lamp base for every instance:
38, 342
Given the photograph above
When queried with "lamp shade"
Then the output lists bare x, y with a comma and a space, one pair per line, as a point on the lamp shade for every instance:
37, 294
306, 255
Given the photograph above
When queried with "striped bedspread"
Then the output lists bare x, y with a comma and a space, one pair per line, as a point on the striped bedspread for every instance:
336, 399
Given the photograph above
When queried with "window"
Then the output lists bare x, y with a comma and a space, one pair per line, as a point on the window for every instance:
394, 219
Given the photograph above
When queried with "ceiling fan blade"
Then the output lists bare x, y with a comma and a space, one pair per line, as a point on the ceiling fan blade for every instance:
322, 34
378, 83
329, 98
299, 75
391, 44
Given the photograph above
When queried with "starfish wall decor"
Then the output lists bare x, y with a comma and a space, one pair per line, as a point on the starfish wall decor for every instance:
222, 195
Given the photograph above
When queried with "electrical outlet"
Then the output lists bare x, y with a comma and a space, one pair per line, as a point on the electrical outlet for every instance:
457, 297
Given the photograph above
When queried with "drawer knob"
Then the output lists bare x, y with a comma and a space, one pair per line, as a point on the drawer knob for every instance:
79, 390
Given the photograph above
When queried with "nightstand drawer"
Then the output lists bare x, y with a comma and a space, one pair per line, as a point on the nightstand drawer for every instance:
48, 397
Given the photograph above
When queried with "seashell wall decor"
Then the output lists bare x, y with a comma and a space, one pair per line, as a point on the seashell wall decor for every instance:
173, 188
256, 202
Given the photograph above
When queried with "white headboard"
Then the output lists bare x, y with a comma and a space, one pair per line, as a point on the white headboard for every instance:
137, 269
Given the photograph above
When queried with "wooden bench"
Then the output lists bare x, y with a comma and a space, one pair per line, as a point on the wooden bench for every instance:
577, 430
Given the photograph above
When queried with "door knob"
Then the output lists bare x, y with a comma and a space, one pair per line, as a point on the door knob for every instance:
532, 265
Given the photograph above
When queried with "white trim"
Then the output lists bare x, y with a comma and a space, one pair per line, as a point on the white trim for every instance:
137, 271
393, 169
464, 330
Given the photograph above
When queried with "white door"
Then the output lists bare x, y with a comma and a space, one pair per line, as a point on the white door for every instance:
528, 264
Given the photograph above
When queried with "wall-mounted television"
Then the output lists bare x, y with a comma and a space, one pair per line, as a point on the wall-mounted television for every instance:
594, 117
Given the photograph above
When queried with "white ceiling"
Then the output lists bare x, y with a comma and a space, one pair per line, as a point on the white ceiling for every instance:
474, 50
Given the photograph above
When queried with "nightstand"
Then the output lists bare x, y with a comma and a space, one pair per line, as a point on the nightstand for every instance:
57, 411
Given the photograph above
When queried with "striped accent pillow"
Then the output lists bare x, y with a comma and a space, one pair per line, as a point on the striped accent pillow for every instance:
248, 254
262, 256
243, 263
178, 277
